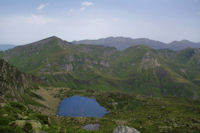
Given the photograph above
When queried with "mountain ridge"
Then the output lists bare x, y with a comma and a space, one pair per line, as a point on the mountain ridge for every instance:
122, 43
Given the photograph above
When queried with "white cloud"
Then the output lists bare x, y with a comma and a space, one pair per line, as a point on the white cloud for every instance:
82, 8
71, 10
87, 3
42, 6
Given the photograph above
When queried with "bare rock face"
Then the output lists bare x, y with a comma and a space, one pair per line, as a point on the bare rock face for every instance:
148, 61
69, 67
27, 124
71, 58
182, 70
125, 129
104, 63
92, 127
13, 82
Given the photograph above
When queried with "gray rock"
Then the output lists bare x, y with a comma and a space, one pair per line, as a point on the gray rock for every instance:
48, 65
95, 62
104, 63
125, 129
71, 58
36, 125
92, 127
68, 67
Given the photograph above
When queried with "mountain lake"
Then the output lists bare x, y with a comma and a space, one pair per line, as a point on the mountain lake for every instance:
80, 106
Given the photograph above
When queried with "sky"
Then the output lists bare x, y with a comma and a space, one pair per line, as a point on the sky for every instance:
26, 21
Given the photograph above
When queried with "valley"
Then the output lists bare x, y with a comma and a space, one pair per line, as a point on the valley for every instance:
146, 114
147, 89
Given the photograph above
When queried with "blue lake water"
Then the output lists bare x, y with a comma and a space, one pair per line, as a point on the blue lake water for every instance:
79, 106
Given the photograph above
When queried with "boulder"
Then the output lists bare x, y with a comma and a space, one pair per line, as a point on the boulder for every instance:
92, 127
33, 125
125, 129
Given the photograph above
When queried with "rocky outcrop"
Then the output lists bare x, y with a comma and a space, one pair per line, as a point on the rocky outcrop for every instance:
28, 125
92, 127
104, 63
71, 58
125, 129
13, 82
68, 67
148, 61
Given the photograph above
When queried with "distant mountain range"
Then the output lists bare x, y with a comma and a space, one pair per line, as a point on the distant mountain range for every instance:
122, 43
4, 47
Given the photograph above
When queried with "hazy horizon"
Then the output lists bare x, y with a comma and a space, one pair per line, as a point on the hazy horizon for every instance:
23, 22
95, 39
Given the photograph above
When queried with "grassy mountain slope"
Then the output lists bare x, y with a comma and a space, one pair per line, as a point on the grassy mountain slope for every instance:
149, 73
137, 69
145, 113
185, 63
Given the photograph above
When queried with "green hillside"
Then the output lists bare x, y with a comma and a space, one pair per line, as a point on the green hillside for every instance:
26, 107
138, 69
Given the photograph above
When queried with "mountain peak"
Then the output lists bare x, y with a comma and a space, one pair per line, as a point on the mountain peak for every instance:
50, 41
185, 41
181, 42
52, 38
118, 37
